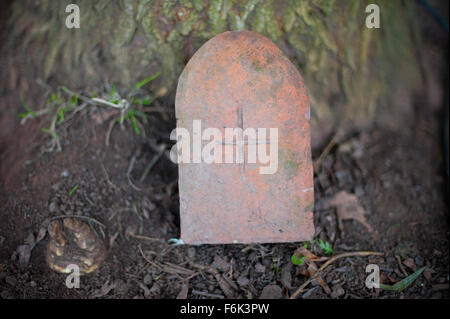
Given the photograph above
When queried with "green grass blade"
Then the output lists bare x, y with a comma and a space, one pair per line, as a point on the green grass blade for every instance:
53, 134
146, 80
135, 126
28, 109
73, 190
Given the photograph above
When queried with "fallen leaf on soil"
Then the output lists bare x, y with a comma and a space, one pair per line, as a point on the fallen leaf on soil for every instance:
409, 262
348, 207
312, 269
302, 251
404, 283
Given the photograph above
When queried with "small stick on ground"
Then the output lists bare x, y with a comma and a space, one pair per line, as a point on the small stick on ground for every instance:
107, 176
159, 240
167, 269
330, 261
223, 283
130, 169
108, 132
148, 260
150, 165
325, 152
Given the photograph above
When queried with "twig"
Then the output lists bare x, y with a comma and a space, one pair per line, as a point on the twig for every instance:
148, 238
330, 261
191, 276
150, 165
79, 96
108, 132
223, 283
148, 260
162, 269
401, 266
325, 152
130, 181
107, 176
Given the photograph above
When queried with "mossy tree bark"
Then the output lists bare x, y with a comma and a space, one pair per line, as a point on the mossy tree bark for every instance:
346, 66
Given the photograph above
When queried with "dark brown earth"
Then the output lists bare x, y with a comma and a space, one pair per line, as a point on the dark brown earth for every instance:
396, 171
396, 175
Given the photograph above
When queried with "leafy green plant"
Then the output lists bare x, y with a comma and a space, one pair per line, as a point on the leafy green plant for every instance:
29, 112
50, 132
128, 113
276, 269
131, 114
297, 260
325, 247
143, 82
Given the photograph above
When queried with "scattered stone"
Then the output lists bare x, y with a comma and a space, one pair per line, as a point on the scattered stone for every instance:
121, 287
337, 292
271, 292
183, 292
11, 280
53, 207
145, 289
260, 268
148, 279
156, 289
22, 254
243, 281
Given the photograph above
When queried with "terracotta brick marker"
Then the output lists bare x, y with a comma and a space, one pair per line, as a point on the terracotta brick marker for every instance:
240, 80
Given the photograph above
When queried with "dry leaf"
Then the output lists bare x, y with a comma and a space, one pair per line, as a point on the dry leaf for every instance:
409, 262
348, 207
312, 269
302, 251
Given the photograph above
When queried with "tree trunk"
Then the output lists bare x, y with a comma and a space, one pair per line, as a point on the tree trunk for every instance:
347, 67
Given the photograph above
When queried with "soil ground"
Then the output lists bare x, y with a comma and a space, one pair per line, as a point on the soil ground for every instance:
397, 173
